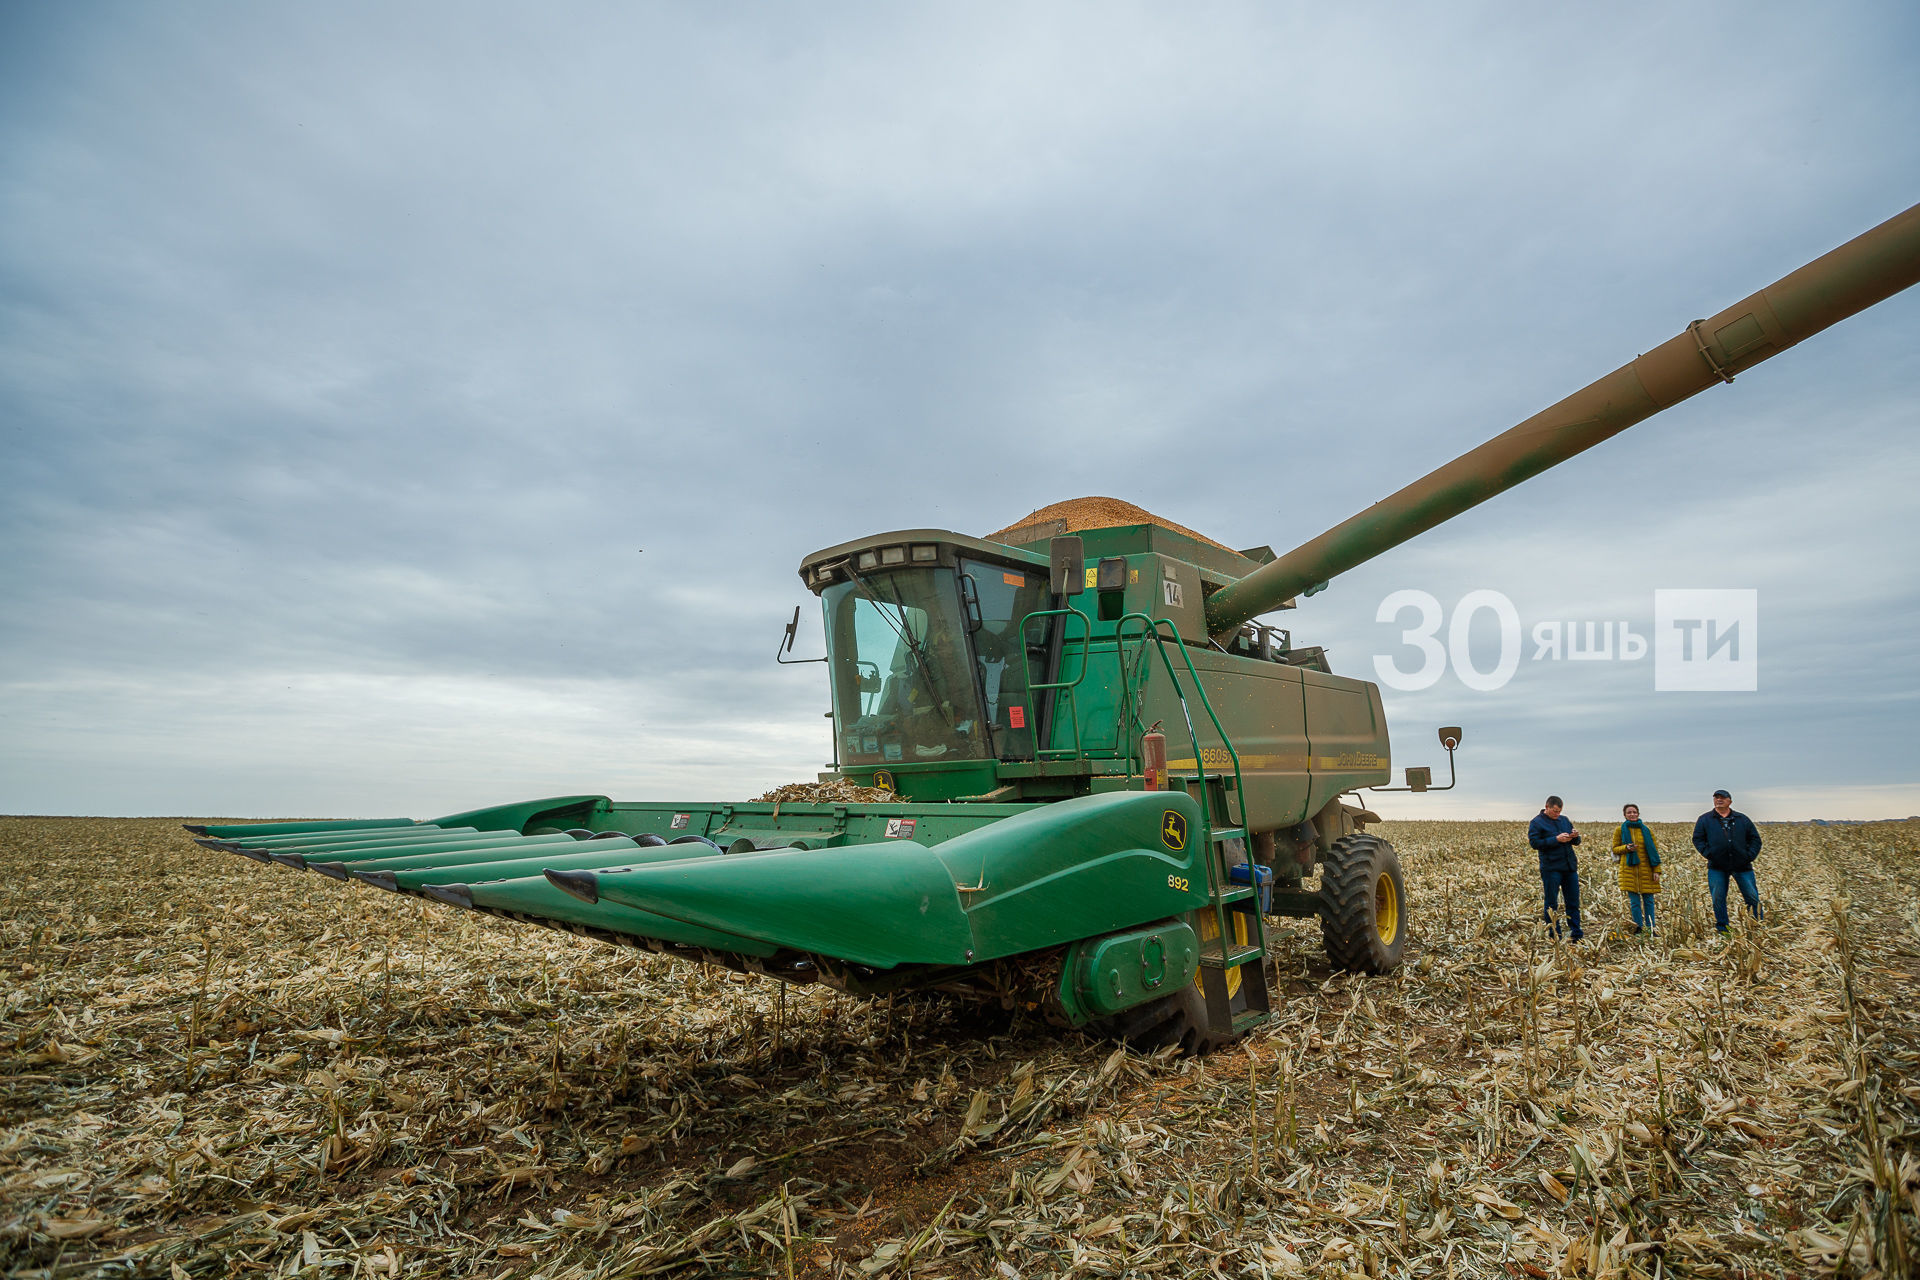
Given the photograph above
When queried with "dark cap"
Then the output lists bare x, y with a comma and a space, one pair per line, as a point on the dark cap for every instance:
1723, 792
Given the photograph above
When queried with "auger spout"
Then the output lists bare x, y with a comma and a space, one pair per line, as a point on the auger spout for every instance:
1867, 269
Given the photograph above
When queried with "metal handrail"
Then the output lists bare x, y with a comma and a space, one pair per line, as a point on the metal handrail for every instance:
1199, 762
1215, 874
1073, 707
1159, 631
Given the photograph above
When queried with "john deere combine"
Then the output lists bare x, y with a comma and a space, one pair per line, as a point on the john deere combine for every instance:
1009, 694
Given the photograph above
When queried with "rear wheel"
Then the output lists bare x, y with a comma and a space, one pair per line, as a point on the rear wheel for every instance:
1181, 1018
1363, 905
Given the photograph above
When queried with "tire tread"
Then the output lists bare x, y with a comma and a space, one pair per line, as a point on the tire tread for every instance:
1346, 904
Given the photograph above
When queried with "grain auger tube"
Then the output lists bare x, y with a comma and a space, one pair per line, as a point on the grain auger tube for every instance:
1867, 269
987, 828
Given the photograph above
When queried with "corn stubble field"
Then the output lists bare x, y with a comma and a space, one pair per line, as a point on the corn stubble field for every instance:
219, 1068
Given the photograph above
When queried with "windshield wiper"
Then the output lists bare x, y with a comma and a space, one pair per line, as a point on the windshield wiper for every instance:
915, 654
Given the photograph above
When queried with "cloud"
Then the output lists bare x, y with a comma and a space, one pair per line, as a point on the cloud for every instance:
355, 350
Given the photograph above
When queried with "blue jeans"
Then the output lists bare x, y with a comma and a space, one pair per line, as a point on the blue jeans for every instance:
1717, 886
1640, 903
1556, 883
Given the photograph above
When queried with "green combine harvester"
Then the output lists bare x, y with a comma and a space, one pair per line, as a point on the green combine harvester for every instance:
1017, 698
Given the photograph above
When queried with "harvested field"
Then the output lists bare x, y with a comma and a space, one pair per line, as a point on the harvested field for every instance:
219, 1068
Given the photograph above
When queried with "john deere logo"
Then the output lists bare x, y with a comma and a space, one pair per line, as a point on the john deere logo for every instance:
883, 780
1173, 830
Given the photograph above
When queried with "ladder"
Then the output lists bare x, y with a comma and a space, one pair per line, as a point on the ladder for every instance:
1233, 971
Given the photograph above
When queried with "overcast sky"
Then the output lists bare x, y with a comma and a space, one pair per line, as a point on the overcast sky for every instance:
408, 407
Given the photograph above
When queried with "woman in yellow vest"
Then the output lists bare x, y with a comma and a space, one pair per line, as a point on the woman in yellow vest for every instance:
1639, 866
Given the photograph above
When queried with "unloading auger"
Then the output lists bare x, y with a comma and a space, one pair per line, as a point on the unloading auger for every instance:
1007, 692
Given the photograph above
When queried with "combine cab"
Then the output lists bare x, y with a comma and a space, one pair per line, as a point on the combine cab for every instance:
1103, 777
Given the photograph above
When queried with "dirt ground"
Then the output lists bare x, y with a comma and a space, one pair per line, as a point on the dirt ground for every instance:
212, 1067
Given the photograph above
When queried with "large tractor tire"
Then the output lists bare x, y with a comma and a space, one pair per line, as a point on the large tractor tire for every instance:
1181, 1018
1363, 905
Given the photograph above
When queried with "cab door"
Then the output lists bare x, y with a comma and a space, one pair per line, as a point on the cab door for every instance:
995, 598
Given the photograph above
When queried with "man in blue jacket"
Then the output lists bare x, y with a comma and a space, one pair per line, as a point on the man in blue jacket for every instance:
1553, 838
1729, 842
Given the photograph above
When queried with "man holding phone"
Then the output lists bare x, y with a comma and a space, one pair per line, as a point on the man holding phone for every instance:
1553, 838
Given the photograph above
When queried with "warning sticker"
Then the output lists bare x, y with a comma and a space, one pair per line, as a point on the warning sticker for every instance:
900, 828
1093, 578
680, 820
1017, 717
1013, 579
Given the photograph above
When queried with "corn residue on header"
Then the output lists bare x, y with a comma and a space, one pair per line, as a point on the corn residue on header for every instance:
1098, 513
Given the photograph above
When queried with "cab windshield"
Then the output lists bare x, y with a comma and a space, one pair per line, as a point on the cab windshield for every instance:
903, 686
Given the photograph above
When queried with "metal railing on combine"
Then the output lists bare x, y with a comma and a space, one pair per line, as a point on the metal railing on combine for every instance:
1221, 893
1055, 688
1220, 953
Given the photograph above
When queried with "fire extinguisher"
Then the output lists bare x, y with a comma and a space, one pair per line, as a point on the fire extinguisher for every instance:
1153, 757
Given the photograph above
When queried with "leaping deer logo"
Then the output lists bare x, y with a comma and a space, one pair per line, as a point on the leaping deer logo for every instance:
1173, 830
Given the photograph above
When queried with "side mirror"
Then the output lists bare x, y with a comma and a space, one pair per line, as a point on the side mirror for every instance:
786, 644
1420, 778
1067, 565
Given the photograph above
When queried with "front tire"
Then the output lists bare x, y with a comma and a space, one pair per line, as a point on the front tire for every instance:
1363, 905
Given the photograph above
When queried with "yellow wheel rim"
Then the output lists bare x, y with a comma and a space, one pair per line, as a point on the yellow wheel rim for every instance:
1386, 909
1208, 929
